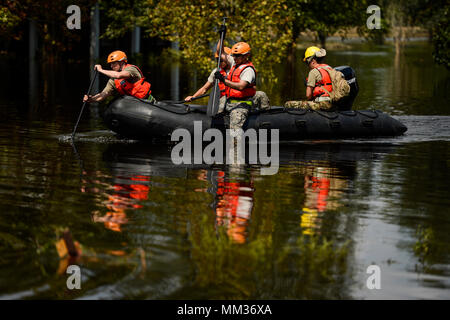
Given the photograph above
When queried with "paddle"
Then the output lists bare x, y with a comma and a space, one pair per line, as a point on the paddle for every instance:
214, 97
82, 108
199, 97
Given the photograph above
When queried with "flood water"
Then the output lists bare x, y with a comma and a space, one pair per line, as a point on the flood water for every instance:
148, 229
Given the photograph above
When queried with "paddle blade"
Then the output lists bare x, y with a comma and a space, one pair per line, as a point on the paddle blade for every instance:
214, 100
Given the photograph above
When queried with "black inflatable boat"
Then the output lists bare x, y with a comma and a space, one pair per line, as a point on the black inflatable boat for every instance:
139, 119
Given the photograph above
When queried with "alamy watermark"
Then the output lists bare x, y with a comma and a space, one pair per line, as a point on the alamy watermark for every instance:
234, 147
374, 20
74, 280
374, 280
74, 20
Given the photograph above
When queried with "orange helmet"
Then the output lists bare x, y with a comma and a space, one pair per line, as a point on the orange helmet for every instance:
117, 56
240, 48
225, 49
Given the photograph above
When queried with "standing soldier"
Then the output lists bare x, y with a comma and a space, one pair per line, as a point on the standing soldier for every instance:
240, 85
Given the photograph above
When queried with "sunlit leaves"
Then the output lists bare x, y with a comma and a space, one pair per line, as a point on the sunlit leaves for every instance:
265, 25
8, 21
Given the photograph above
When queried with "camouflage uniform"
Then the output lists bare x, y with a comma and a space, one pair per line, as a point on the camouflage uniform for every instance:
222, 102
314, 105
261, 101
238, 114
239, 111
319, 103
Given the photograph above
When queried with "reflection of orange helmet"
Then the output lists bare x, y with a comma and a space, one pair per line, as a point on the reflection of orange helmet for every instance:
225, 49
240, 48
117, 56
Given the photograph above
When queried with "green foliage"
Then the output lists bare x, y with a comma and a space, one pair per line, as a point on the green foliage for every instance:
270, 27
326, 19
50, 18
123, 15
441, 36
376, 35
8, 21
429, 14
265, 25
424, 243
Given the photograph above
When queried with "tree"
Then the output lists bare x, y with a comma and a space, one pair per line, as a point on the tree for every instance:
265, 25
441, 36
123, 15
433, 15
327, 18
9, 21
50, 18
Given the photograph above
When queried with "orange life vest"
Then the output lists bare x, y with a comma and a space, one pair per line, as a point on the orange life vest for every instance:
234, 76
139, 89
325, 82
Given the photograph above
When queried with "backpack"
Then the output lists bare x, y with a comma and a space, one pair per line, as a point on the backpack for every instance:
341, 88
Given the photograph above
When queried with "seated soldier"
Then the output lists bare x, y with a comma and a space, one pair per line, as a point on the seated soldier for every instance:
318, 84
125, 79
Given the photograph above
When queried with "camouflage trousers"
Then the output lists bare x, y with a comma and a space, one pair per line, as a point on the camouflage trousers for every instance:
238, 114
314, 105
238, 111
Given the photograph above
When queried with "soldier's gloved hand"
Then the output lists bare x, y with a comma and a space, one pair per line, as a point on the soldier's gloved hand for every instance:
219, 76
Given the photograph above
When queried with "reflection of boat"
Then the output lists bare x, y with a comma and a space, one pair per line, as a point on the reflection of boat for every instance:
155, 159
325, 169
142, 159
335, 152
134, 118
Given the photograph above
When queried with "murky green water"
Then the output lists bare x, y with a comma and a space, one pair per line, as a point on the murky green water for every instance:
149, 229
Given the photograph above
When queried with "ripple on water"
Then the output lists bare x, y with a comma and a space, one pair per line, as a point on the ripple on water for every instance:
99, 136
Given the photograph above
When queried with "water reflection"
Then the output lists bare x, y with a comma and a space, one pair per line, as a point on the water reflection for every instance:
317, 191
233, 202
234, 206
284, 235
126, 193
148, 229
319, 186
325, 184
118, 192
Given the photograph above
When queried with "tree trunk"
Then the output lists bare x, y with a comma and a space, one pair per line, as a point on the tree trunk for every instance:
32, 65
430, 35
136, 40
94, 48
175, 75
290, 88
322, 39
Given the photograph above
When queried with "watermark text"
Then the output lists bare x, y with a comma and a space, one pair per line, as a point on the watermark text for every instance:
230, 149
